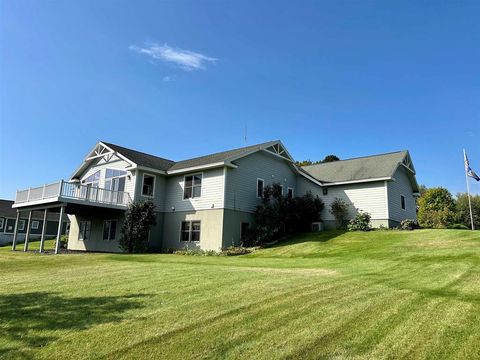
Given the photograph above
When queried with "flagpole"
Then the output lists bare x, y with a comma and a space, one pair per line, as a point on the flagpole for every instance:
468, 189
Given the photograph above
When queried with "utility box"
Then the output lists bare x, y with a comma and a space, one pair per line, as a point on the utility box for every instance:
317, 226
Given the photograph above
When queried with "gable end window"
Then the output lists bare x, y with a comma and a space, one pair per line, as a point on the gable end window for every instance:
260, 186
290, 193
402, 200
148, 185
109, 229
192, 186
190, 231
84, 230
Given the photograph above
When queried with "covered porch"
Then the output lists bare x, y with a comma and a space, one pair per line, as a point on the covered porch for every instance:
65, 198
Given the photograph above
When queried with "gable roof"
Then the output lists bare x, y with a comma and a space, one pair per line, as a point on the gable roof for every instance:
362, 168
141, 158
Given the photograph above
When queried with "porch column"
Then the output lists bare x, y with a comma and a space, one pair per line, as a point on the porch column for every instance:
15, 232
44, 229
27, 234
59, 232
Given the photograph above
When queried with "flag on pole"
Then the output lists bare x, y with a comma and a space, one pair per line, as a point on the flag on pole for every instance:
469, 170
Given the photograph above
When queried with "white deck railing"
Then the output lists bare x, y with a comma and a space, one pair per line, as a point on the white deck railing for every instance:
70, 190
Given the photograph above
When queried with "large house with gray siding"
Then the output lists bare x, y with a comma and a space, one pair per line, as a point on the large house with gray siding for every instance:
208, 201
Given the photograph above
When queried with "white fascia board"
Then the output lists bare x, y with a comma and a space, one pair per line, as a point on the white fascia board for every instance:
358, 181
146, 168
201, 167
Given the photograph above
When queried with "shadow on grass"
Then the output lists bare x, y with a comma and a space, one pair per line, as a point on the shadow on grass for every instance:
31, 320
322, 236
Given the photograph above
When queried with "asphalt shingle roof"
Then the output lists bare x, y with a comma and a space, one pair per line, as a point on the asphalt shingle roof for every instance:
155, 162
362, 168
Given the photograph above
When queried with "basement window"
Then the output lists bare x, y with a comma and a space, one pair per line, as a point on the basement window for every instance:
21, 225
109, 229
190, 231
84, 230
35, 224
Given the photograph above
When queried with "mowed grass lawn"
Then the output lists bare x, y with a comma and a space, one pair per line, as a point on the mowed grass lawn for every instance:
330, 295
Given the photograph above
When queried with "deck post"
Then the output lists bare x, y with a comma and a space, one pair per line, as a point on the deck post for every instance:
59, 232
27, 234
15, 231
44, 229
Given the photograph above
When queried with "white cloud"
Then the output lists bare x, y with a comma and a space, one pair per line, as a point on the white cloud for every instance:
185, 59
169, 78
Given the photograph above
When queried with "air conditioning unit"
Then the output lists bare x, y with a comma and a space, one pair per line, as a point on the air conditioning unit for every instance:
317, 226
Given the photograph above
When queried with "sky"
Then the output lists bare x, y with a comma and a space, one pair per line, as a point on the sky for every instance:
180, 79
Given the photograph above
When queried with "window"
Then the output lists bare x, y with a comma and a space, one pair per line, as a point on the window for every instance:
2, 222
21, 225
190, 231
110, 173
93, 179
35, 224
402, 200
260, 185
148, 185
84, 230
290, 193
325, 191
192, 186
109, 229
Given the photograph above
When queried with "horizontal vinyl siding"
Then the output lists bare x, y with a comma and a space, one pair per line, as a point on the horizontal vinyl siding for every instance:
401, 186
241, 184
367, 197
211, 196
115, 163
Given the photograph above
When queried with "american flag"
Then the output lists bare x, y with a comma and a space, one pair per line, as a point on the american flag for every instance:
469, 170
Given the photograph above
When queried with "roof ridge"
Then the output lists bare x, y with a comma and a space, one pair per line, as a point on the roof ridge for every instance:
140, 152
359, 157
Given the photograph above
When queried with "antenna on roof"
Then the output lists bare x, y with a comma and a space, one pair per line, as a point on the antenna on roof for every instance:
245, 137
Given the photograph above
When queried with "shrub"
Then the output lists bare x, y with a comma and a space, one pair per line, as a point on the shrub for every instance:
408, 224
459, 227
278, 216
139, 217
361, 222
235, 250
436, 208
195, 252
339, 209
463, 210
63, 241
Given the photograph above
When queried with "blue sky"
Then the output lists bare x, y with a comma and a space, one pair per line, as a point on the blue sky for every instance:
184, 78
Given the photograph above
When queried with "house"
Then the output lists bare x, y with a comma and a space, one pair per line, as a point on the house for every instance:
8, 219
208, 202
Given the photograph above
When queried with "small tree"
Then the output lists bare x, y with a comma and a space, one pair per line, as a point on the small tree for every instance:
339, 209
139, 217
330, 158
463, 210
436, 208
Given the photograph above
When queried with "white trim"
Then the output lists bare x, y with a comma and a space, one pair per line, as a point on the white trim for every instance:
154, 185
37, 223
148, 169
200, 167
263, 188
386, 199
359, 181
224, 187
183, 188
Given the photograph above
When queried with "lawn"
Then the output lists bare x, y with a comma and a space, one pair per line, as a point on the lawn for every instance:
330, 295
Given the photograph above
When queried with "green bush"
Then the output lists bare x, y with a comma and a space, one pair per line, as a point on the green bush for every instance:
235, 250
139, 217
463, 210
361, 222
63, 242
459, 227
436, 208
339, 209
408, 224
195, 252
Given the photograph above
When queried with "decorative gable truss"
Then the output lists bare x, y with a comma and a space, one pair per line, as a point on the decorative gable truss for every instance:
279, 150
100, 151
407, 163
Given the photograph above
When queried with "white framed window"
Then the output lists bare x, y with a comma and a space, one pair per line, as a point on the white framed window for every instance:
109, 229
190, 231
192, 186
35, 224
21, 225
148, 185
260, 187
290, 193
84, 230
2, 222
402, 202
